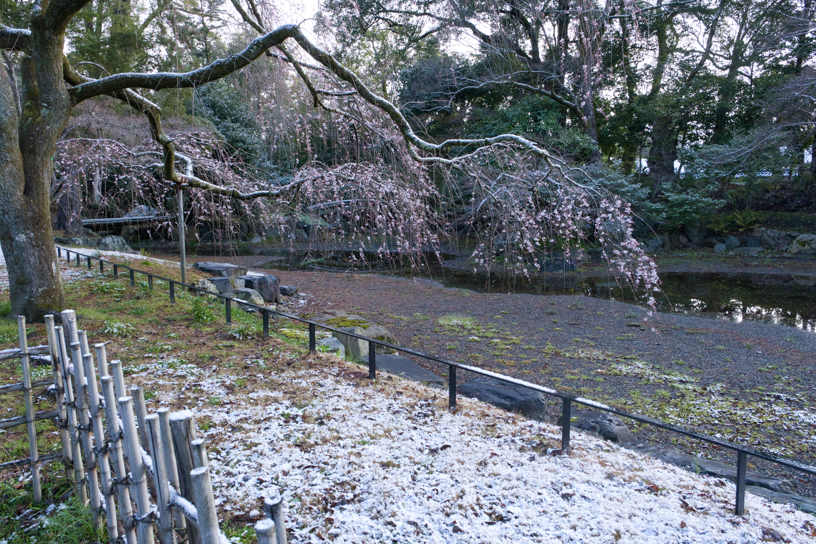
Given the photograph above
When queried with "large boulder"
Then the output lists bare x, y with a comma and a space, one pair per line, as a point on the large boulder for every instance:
408, 369
267, 285
349, 323
222, 285
719, 247
731, 242
207, 285
607, 426
249, 295
804, 244
113, 243
355, 347
223, 270
694, 232
288, 290
776, 240
513, 398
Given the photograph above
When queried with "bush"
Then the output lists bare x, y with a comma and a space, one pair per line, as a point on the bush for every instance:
201, 311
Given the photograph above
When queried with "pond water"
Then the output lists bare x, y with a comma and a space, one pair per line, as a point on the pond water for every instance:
784, 299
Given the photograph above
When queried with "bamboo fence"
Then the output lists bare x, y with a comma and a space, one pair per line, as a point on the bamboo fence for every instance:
144, 476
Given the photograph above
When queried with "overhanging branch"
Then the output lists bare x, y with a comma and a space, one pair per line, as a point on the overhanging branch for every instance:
14, 39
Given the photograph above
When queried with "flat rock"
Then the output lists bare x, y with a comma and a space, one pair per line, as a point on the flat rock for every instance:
114, 243
268, 286
712, 468
249, 295
803, 243
288, 290
509, 397
749, 251
802, 503
224, 270
408, 369
222, 285
607, 426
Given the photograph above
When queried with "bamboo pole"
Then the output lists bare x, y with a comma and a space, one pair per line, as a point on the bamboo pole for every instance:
101, 360
102, 457
205, 505
115, 368
265, 532
73, 426
29, 407
140, 407
273, 506
112, 423
85, 436
56, 364
171, 466
183, 430
158, 454
199, 449
138, 484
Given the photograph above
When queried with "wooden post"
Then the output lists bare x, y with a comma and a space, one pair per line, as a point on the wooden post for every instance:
138, 483
85, 436
273, 506
73, 426
156, 446
205, 505
29, 408
265, 532
141, 412
171, 466
59, 384
102, 458
112, 423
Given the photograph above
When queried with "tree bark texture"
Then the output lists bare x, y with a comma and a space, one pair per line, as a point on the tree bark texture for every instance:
27, 146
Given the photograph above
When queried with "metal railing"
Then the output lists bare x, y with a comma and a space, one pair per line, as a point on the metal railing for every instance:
567, 401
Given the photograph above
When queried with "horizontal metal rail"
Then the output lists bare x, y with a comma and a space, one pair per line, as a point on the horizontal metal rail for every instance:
567, 400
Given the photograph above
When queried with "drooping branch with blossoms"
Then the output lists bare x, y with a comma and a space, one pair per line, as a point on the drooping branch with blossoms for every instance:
520, 190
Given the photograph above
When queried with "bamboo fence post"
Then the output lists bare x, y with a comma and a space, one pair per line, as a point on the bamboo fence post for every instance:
29, 408
141, 412
183, 430
83, 342
59, 385
265, 532
85, 435
138, 483
273, 506
101, 360
199, 453
118, 375
170, 464
158, 454
73, 425
112, 423
205, 505
102, 457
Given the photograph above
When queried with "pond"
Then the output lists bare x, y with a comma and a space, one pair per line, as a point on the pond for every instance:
784, 299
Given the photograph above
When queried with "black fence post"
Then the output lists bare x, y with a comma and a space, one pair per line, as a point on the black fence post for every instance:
78, 263
150, 281
172, 292
229, 311
451, 387
372, 360
115, 271
89, 263
68, 256
742, 468
566, 422
312, 338
101, 266
132, 278
266, 323
59, 252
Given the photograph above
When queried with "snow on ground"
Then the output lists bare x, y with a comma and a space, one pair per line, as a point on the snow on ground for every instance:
362, 462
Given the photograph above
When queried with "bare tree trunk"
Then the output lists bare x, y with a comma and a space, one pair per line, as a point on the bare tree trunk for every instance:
663, 152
